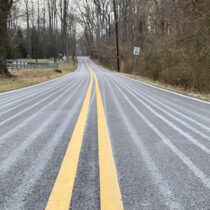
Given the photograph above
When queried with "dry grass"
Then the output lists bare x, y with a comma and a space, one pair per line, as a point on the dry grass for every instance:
181, 90
34, 60
26, 77
188, 92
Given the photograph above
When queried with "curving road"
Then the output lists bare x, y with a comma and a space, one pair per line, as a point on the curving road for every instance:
98, 140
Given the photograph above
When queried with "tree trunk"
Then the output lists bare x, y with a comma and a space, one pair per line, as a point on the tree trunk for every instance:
3, 36
28, 38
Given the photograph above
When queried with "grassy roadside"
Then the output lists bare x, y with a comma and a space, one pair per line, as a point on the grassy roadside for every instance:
26, 77
181, 90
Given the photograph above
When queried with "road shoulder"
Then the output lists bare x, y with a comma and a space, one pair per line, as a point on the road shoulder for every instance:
159, 84
176, 89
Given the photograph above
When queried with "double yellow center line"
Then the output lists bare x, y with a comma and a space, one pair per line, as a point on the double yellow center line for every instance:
110, 195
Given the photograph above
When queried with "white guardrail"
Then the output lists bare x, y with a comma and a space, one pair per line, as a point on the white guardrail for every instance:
17, 64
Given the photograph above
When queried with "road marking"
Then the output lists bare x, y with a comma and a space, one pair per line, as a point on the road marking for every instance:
110, 195
168, 91
168, 122
157, 177
61, 194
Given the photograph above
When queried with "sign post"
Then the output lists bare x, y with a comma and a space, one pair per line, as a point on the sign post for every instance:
136, 51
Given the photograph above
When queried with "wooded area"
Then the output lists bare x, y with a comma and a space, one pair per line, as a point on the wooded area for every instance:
174, 35
36, 29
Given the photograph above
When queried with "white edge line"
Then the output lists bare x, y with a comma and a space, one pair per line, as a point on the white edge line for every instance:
166, 90
163, 89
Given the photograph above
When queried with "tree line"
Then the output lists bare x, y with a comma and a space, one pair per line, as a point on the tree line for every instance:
174, 37
36, 29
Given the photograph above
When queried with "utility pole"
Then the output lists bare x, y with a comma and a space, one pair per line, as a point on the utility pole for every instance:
65, 14
117, 35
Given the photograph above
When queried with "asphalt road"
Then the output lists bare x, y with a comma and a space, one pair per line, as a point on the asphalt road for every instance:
98, 140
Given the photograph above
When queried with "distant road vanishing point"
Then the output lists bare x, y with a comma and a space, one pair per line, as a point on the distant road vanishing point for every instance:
98, 140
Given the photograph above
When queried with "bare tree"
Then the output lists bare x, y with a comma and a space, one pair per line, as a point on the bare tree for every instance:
173, 36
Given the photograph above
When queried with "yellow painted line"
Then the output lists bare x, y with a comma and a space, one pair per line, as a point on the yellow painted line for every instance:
110, 195
61, 194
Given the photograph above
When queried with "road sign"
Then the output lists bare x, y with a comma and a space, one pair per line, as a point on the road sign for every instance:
64, 58
103, 32
136, 50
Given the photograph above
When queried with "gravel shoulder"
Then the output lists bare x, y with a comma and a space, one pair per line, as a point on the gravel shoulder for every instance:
181, 90
177, 89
